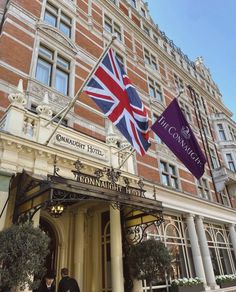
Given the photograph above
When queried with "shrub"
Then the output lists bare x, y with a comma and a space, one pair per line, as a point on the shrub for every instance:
22, 256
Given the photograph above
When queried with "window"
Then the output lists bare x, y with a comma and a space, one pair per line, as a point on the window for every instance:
214, 161
165, 47
199, 101
232, 133
143, 12
112, 27
203, 189
225, 198
150, 59
173, 55
120, 59
221, 132
168, 175
53, 70
133, 3
178, 82
155, 90
56, 17
156, 39
186, 111
157, 138
230, 162
146, 30
205, 126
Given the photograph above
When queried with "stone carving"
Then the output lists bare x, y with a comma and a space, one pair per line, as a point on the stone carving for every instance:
44, 110
58, 36
18, 98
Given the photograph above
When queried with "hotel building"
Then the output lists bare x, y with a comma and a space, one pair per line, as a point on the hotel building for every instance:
108, 197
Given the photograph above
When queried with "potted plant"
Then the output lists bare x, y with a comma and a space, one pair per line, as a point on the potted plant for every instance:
226, 280
148, 259
187, 285
22, 256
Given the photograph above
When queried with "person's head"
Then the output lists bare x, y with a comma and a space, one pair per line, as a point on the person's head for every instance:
49, 278
64, 272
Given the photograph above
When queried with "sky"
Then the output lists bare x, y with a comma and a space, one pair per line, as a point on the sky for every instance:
204, 28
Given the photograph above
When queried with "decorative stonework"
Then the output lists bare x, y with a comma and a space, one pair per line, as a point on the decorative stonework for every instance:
44, 110
54, 33
18, 98
111, 138
39, 90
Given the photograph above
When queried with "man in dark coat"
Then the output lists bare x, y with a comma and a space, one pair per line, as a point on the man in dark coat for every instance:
48, 283
67, 284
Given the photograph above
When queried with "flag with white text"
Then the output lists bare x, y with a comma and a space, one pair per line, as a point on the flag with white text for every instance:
114, 94
174, 130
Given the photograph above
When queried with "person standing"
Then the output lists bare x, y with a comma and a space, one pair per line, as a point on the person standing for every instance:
67, 284
48, 283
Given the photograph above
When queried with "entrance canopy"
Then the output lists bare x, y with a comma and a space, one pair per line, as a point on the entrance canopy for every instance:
33, 193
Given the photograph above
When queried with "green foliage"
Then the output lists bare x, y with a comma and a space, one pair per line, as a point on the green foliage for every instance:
148, 259
22, 255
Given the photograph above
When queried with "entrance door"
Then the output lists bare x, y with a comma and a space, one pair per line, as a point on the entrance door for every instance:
50, 263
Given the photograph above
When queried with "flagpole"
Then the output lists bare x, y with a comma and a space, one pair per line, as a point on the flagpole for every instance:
123, 162
58, 114
205, 142
71, 104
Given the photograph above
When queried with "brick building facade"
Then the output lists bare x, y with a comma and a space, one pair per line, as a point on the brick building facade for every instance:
52, 46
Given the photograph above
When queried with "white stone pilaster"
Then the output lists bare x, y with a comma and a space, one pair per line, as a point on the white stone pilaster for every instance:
197, 257
96, 250
116, 251
233, 237
79, 247
209, 272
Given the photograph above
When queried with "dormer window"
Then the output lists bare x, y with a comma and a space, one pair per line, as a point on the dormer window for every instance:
133, 3
143, 12
146, 30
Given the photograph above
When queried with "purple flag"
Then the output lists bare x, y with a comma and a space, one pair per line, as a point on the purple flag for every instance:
174, 130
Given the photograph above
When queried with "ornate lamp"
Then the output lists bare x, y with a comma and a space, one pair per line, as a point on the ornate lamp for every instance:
56, 210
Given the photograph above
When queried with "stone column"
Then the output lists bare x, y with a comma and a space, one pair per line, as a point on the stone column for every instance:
4, 203
197, 257
79, 247
117, 277
96, 250
233, 236
209, 272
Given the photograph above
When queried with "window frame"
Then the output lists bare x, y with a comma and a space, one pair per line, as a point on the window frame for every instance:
58, 13
204, 189
114, 27
56, 67
170, 176
230, 161
157, 90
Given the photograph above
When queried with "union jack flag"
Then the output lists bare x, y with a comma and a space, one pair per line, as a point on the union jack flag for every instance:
114, 94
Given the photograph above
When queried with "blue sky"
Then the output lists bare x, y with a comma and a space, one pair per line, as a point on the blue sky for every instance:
204, 28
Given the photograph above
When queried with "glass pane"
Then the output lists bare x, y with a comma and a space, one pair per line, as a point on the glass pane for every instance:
53, 8
65, 28
61, 81
172, 169
43, 72
63, 63
45, 52
65, 18
50, 18
163, 166
151, 91
165, 180
174, 182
